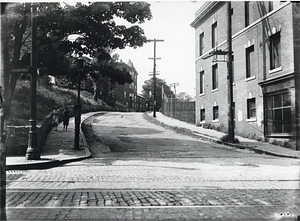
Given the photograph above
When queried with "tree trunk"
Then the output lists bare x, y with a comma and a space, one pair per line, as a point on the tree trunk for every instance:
3, 109
95, 88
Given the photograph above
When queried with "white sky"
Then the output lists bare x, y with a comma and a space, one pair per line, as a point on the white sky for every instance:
171, 22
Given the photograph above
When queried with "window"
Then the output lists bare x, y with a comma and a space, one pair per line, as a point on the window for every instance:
124, 94
233, 114
131, 96
275, 51
279, 113
131, 85
216, 113
214, 40
232, 69
201, 45
251, 109
250, 61
201, 82
202, 114
270, 6
214, 76
247, 15
231, 19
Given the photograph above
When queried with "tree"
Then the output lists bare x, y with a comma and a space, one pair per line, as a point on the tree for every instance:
183, 96
148, 87
93, 23
104, 76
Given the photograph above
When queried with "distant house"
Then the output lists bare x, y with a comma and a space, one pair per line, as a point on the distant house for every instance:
266, 68
141, 103
126, 97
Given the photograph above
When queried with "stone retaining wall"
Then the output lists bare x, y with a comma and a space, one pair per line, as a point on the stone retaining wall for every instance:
17, 136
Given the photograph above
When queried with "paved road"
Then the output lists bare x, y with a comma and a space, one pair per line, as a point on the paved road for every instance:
154, 173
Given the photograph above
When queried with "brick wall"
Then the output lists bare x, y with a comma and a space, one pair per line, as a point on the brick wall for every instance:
255, 34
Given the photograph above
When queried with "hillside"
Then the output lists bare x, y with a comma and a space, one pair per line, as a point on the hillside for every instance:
47, 98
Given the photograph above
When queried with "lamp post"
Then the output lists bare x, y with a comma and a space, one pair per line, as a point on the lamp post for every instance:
33, 152
77, 106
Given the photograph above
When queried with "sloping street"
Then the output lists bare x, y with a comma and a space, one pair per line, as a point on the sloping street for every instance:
142, 171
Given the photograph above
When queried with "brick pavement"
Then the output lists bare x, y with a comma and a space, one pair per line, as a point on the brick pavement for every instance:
152, 205
175, 213
104, 198
159, 174
57, 195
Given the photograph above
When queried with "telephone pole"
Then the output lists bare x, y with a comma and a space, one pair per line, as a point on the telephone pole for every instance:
174, 103
154, 74
229, 54
229, 76
174, 85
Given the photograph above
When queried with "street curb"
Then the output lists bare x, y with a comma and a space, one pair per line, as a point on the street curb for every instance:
208, 138
240, 146
256, 150
55, 163
48, 164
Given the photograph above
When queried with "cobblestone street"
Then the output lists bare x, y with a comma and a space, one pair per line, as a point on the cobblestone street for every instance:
206, 197
141, 205
157, 175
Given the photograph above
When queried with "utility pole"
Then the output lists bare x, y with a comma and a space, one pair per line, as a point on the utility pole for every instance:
33, 152
154, 83
174, 85
154, 74
229, 72
174, 109
229, 76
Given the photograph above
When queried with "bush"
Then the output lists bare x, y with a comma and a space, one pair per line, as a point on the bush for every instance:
45, 81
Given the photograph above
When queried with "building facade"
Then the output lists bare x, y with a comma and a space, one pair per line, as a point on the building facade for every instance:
141, 103
126, 95
265, 68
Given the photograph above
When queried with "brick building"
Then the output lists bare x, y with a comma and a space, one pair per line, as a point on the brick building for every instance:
266, 65
125, 94
126, 97
141, 103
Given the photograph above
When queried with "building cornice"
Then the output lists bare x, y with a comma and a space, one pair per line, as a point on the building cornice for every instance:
276, 79
204, 10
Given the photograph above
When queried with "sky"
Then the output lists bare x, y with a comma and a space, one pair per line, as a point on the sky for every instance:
171, 23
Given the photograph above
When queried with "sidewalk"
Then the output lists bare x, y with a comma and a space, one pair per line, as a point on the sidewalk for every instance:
57, 150
214, 136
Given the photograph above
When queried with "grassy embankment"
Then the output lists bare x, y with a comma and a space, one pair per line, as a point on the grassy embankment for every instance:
47, 98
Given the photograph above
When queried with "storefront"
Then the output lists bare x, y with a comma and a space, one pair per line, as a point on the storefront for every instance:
279, 107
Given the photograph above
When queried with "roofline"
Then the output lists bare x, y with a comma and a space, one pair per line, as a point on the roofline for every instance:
204, 9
